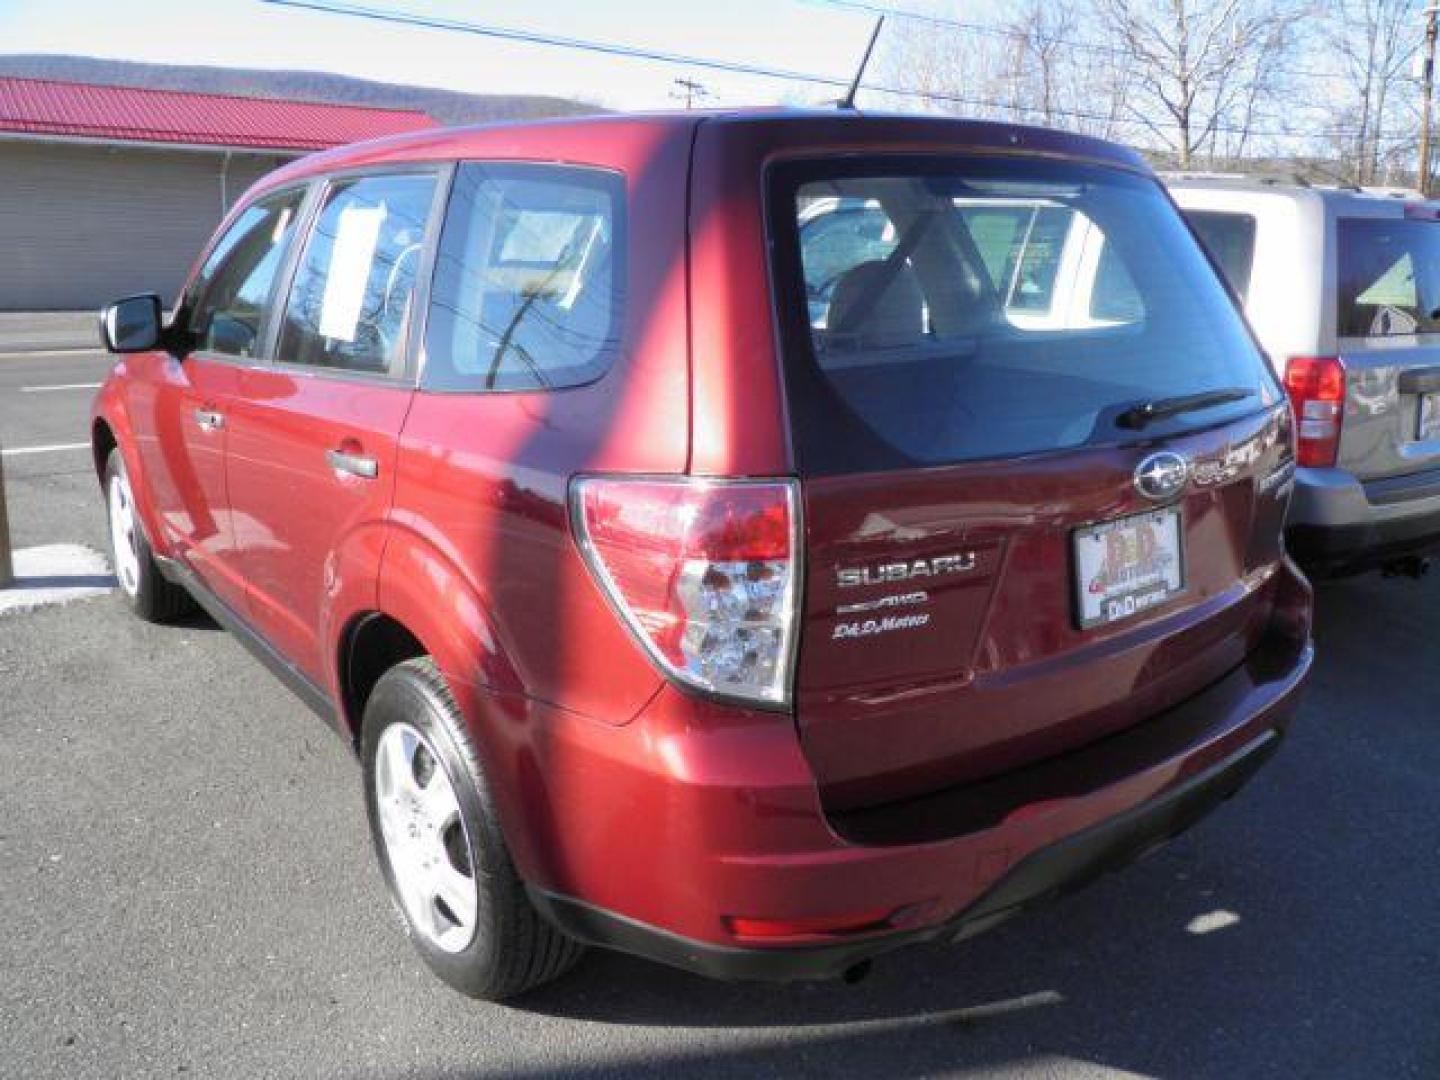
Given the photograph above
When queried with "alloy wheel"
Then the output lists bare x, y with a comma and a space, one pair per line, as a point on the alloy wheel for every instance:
425, 839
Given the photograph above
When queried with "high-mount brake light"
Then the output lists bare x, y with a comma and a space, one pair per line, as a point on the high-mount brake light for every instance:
1316, 385
704, 572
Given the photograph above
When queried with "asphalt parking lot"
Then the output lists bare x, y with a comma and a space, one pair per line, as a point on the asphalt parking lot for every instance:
187, 888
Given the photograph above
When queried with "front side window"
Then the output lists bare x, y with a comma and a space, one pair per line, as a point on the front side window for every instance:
233, 286
1017, 307
529, 279
349, 305
1230, 239
1389, 280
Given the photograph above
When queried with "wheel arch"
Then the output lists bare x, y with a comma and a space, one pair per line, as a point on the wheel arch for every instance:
102, 444
423, 605
371, 644
374, 642
109, 432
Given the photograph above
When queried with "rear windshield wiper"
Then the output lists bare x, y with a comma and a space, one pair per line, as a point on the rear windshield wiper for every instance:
1138, 416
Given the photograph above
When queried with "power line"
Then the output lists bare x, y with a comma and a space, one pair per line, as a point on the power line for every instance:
507, 33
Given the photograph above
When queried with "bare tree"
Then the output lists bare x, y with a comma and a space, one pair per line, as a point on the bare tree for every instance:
1041, 54
1058, 78
1042, 61
946, 69
1257, 87
1198, 68
1188, 78
1374, 41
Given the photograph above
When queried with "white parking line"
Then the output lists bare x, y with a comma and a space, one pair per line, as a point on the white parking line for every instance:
55, 574
28, 353
16, 451
62, 386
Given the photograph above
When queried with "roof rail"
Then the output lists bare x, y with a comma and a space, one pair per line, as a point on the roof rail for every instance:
1190, 174
1295, 178
1268, 179
1383, 191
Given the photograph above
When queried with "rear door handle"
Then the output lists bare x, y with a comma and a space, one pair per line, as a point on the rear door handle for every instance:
209, 419
367, 468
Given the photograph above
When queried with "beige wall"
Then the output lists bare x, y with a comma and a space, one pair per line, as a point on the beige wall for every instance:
81, 225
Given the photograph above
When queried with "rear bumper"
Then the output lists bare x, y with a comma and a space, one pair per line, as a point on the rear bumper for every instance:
660, 838
1051, 871
1351, 549
1339, 525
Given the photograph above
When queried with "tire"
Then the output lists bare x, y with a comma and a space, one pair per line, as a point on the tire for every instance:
144, 589
473, 924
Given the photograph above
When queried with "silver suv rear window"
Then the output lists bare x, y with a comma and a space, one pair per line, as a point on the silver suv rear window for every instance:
968, 308
1389, 277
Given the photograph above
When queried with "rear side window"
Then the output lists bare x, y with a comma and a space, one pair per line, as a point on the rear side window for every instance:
1389, 277
1015, 307
233, 286
529, 281
349, 305
1230, 239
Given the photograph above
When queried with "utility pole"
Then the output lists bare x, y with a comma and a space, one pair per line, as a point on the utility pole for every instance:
1427, 81
690, 90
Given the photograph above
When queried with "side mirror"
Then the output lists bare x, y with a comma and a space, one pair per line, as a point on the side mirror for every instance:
132, 324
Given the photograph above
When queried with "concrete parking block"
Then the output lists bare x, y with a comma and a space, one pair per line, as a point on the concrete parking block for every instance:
55, 574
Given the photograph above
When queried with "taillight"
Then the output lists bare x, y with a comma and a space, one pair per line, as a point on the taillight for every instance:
1316, 385
704, 572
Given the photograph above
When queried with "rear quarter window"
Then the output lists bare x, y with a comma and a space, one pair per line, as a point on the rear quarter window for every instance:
529, 279
1230, 240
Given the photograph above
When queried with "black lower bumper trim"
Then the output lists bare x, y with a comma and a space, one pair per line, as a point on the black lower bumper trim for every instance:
1051, 871
1337, 550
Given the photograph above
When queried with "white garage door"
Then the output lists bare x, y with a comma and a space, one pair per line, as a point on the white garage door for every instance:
82, 225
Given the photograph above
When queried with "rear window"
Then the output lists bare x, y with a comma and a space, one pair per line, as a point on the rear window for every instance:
1389, 277
983, 307
1230, 239
529, 279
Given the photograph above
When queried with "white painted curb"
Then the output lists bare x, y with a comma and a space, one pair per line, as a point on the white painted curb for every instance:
55, 574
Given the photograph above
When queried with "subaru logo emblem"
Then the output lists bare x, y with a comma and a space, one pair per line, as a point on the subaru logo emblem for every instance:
1162, 476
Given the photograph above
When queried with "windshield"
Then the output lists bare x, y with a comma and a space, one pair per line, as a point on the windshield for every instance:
972, 308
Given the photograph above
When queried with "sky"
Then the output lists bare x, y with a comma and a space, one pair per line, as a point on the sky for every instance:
811, 36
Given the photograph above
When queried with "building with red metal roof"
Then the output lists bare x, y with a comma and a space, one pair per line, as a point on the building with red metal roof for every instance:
106, 190
133, 114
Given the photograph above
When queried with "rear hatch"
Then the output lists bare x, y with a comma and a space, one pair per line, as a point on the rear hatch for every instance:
1388, 322
1044, 466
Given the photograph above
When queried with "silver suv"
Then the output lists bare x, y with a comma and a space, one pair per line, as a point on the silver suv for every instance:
1342, 287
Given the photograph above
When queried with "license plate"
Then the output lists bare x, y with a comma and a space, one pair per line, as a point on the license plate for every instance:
1429, 426
1127, 566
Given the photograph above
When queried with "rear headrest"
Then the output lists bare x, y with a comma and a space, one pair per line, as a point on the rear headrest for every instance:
877, 305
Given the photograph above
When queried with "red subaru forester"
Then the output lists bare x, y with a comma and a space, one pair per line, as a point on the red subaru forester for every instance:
749, 541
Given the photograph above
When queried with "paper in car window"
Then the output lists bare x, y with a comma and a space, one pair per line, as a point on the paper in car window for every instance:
356, 234
282, 223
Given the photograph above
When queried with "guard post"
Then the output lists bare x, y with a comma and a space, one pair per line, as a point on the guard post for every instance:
7, 564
